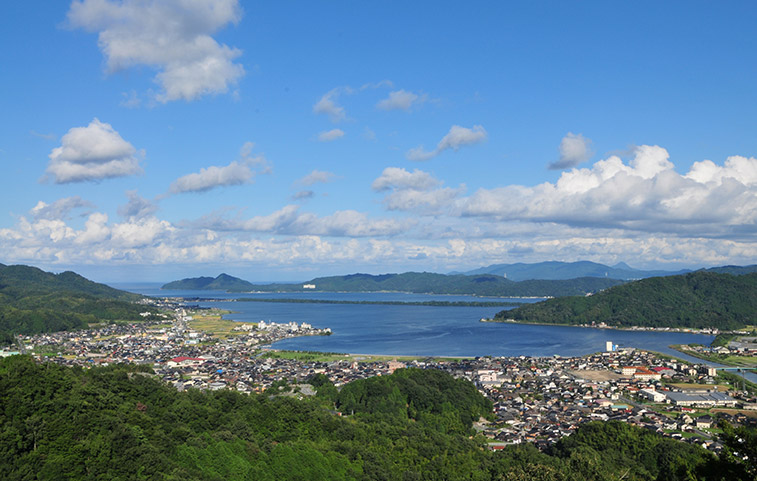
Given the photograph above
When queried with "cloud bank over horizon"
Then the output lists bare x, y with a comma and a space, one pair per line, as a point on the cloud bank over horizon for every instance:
614, 210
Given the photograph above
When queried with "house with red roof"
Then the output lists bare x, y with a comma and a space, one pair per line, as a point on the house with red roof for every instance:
184, 361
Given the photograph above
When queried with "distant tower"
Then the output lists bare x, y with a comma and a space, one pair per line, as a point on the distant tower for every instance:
608, 346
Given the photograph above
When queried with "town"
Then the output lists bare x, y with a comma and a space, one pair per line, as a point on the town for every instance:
536, 399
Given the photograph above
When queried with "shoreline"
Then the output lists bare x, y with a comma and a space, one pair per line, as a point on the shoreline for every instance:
681, 330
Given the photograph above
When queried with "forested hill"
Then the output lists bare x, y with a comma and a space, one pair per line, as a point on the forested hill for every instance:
699, 300
223, 282
416, 282
119, 423
33, 301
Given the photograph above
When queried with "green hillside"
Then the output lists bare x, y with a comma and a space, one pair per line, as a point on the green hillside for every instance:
223, 282
34, 301
698, 300
119, 423
415, 282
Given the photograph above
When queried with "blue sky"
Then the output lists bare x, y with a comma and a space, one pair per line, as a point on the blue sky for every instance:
147, 140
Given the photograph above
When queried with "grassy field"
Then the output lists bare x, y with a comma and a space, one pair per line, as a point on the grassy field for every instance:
745, 412
728, 360
701, 387
332, 356
210, 322
737, 361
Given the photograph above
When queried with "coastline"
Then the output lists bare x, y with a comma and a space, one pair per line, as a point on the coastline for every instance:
684, 330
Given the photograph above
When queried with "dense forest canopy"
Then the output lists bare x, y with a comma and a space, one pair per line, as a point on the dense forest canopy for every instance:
119, 423
34, 301
698, 300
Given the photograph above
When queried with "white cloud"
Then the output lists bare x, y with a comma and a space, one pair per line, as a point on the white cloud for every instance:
173, 36
92, 153
346, 241
377, 85
414, 191
60, 209
574, 149
741, 169
139, 233
645, 195
426, 202
400, 100
236, 173
330, 135
303, 194
289, 221
399, 178
317, 177
95, 230
137, 207
328, 104
348, 223
455, 138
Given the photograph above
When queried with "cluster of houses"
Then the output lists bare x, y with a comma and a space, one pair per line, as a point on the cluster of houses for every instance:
535, 400
744, 346
540, 400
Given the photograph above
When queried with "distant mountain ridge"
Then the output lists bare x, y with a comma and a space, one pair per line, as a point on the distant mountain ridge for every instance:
555, 270
415, 282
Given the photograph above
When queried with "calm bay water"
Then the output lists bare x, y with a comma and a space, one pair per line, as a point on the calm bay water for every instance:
421, 330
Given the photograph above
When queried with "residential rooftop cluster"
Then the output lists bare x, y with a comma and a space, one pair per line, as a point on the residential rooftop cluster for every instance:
535, 400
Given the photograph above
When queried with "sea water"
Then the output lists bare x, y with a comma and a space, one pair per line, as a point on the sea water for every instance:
421, 330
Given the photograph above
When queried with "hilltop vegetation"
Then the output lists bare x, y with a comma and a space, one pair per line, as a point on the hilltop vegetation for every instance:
34, 301
415, 282
698, 300
223, 282
119, 423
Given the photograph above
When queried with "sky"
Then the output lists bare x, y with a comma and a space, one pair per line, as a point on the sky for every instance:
146, 140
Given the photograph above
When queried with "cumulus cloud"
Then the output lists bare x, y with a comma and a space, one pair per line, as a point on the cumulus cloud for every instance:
455, 138
289, 221
60, 209
95, 230
574, 149
236, 173
400, 100
330, 135
172, 36
137, 207
207, 178
646, 194
399, 178
347, 239
414, 191
92, 153
317, 177
328, 105
139, 232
